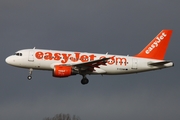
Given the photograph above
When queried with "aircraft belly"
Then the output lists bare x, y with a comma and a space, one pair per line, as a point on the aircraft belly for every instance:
116, 69
99, 71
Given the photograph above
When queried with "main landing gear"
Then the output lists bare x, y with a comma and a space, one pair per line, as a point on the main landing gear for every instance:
84, 80
29, 77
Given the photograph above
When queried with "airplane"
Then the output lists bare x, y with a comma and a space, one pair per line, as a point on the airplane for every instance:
68, 63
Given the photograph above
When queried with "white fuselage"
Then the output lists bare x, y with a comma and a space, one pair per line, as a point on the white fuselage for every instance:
46, 60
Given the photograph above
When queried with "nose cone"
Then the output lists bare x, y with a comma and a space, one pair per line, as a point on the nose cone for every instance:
14, 61
8, 60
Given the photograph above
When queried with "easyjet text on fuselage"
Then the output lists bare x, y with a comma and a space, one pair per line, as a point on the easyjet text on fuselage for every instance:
77, 56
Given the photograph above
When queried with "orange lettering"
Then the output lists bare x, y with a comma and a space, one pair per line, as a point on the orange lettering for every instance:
65, 57
57, 56
84, 58
121, 60
39, 55
76, 57
48, 56
92, 57
111, 61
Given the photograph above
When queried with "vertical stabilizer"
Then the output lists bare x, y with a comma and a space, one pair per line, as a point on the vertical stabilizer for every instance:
156, 49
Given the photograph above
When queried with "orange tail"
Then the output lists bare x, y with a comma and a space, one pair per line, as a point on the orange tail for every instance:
156, 49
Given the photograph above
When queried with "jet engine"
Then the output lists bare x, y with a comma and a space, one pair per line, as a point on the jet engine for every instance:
63, 71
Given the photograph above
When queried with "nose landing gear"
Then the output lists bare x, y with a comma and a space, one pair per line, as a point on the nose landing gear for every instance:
29, 77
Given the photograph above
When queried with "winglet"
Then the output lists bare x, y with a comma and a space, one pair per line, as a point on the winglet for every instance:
156, 49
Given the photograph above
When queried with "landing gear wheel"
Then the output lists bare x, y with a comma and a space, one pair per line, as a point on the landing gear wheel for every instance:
84, 81
29, 77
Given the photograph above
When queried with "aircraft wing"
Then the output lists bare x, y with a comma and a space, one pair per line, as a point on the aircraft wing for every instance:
91, 64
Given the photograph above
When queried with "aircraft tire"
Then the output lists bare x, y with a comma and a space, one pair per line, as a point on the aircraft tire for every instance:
84, 81
29, 77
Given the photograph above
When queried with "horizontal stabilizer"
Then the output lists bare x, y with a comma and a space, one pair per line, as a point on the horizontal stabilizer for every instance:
159, 63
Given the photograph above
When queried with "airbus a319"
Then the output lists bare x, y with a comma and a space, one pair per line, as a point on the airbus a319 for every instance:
68, 63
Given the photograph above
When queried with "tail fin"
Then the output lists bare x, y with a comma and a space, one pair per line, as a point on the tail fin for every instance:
156, 49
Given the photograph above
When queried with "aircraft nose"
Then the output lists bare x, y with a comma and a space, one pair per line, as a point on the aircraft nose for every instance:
8, 60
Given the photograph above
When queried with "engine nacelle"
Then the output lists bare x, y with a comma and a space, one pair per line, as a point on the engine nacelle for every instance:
62, 71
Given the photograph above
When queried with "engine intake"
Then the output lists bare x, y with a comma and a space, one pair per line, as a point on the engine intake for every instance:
63, 71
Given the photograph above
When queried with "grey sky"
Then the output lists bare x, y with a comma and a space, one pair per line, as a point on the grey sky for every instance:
117, 27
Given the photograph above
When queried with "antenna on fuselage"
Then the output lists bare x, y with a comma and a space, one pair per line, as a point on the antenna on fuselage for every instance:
34, 48
107, 53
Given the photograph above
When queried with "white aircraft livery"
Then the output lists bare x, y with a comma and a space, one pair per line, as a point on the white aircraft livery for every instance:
66, 63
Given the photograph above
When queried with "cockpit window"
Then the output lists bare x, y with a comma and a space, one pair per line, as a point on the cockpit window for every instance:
18, 54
